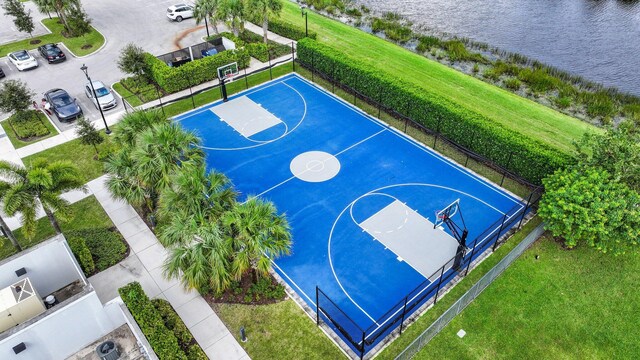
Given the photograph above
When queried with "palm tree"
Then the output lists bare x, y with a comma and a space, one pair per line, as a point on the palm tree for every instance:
258, 235
41, 183
135, 122
202, 263
234, 12
140, 171
194, 191
262, 9
207, 9
4, 186
45, 6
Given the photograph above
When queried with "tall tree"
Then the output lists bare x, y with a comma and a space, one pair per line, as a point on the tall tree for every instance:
131, 60
263, 9
45, 6
586, 205
41, 183
201, 263
4, 187
78, 21
258, 234
21, 17
141, 171
136, 122
15, 97
234, 12
207, 9
88, 133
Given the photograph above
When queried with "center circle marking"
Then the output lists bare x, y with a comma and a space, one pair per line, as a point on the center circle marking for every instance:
315, 166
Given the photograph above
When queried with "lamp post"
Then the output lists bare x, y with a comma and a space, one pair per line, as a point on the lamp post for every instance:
85, 69
303, 10
206, 26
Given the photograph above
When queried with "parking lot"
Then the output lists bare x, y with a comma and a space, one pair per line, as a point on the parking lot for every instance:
152, 31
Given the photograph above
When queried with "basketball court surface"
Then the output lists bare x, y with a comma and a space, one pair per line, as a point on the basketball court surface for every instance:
360, 197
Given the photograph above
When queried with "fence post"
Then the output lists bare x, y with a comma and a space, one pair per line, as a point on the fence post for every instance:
380, 101
404, 312
524, 211
504, 174
333, 77
269, 57
160, 100
313, 55
355, 90
246, 80
495, 244
362, 351
317, 308
473, 251
293, 57
437, 133
193, 102
435, 299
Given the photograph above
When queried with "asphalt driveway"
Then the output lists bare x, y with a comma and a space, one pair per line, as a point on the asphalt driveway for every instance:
142, 22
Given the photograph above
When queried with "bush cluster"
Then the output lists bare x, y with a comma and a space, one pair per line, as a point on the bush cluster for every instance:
141, 87
286, 29
173, 79
162, 340
256, 47
392, 28
264, 288
82, 253
531, 159
27, 125
105, 247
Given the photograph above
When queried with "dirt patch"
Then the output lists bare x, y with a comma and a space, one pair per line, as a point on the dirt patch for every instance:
248, 292
35, 41
183, 34
85, 47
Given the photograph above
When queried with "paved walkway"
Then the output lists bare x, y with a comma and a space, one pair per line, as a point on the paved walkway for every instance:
144, 265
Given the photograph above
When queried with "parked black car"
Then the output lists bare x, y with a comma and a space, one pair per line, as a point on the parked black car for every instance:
63, 105
1, 73
52, 53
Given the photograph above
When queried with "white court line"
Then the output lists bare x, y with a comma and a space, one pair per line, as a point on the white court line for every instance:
360, 142
408, 139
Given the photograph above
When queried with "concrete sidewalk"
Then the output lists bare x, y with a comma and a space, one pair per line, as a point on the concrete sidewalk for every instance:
144, 265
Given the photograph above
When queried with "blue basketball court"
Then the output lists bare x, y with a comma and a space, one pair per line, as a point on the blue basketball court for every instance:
360, 197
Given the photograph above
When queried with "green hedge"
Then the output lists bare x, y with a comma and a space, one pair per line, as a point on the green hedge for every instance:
531, 159
173, 79
82, 253
286, 29
106, 246
173, 322
27, 125
162, 340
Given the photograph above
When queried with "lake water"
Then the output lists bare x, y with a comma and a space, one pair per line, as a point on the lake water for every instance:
599, 40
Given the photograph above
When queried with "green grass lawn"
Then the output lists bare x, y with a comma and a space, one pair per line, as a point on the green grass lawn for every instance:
80, 155
514, 112
576, 304
17, 143
281, 328
88, 213
94, 38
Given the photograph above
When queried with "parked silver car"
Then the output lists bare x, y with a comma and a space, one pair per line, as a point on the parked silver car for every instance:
22, 60
105, 96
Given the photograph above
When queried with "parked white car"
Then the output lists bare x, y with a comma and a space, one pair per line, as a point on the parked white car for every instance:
180, 12
105, 97
23, 60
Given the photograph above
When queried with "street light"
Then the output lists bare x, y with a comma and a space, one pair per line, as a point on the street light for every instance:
85, 69
206, 26
304, 12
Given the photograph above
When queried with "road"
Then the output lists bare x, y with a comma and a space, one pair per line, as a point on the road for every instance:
143, 23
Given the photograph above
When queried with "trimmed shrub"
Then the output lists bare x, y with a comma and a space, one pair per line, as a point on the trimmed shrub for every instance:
82, 253
173, 322
195, 353
173, 79
106, 246
531, 159
28, 124
162, 340
286, 29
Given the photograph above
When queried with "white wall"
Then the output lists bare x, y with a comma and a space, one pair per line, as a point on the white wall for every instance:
228, 44
65, 331
50, 266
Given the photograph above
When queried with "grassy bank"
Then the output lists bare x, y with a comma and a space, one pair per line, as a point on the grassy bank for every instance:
280, 328
512, 111
88, 213
551, 304
75, 45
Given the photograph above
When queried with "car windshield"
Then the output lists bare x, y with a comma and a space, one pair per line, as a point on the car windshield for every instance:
102, 91
62, 100
53, 50
22, 55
